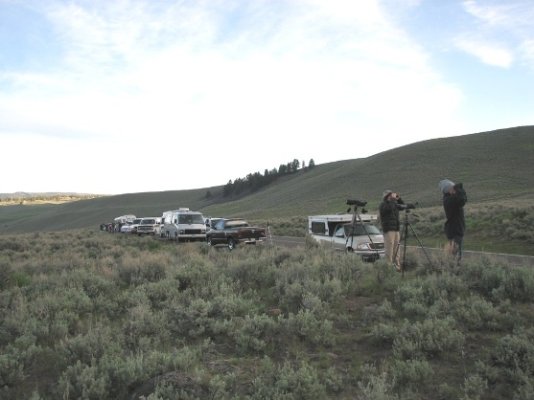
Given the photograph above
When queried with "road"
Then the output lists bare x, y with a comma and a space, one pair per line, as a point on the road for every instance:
509, 259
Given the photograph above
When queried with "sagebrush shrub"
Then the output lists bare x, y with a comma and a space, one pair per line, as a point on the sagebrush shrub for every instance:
411, 373
306, 326
514, 356
81, 381
476, 313
255, 333
383, 333
519, 284
374, 385
429, 338
474, 387
5, 275
138, 270
286, 381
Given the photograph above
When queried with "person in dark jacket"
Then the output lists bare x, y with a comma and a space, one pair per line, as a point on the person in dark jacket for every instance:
389, 219
454, 199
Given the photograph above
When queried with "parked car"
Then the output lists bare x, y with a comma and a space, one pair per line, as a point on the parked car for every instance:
148, 226
360, 237
232, 231
131, 227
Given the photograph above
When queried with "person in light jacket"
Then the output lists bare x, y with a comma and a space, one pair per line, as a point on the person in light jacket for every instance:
389, 219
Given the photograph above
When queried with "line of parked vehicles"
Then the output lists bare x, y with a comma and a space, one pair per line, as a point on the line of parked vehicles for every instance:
357, 234
184, 225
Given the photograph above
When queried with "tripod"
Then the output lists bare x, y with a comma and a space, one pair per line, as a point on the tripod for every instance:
357, 218
406, 228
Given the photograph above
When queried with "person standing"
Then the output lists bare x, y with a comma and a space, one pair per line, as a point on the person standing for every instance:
389, 219
454, 199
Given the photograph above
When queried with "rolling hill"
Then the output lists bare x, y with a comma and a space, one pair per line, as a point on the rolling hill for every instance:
494, 166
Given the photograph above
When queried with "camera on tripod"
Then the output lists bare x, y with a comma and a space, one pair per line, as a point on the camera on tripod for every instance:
407, 206
357, 203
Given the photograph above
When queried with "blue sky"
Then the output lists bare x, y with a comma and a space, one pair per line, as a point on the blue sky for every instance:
122, 96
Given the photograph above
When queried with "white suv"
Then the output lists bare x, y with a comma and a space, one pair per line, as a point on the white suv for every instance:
148, 226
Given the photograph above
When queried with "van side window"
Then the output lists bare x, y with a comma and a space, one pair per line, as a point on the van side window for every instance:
318, 228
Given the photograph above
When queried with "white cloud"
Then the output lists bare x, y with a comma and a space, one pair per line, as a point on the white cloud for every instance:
493, 14
179, 81
509, 24
487, 53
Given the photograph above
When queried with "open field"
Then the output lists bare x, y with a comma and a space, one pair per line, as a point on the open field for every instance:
35, 202
92, 315
11, 199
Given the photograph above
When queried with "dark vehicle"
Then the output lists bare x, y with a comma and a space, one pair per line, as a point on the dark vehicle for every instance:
232, 231
211, 222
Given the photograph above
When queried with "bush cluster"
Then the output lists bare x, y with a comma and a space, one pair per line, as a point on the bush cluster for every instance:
92, 316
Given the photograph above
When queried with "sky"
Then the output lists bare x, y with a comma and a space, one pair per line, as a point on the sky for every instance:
124, 96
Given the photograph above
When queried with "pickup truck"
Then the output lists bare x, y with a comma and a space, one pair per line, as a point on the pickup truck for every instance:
232, 231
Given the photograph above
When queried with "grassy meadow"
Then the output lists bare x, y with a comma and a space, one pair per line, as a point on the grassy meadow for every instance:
91, 315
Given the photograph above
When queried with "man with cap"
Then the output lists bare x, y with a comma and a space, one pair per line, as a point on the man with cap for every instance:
454, 199
389, 219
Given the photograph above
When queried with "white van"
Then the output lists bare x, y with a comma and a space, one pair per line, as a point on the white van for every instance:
183, 225
360, 236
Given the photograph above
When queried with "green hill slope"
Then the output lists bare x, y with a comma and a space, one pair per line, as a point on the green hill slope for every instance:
493, 165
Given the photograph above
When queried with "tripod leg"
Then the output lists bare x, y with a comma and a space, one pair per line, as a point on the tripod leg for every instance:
403, 264
421, 245
394, 251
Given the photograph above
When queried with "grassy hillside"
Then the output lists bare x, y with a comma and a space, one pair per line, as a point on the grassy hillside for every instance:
494, 166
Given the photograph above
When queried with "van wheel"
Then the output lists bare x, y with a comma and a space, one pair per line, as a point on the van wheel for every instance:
349, 250
208, 241
231, 244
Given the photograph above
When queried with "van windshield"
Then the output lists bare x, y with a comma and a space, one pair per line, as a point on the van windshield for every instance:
190, 219
359, 230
